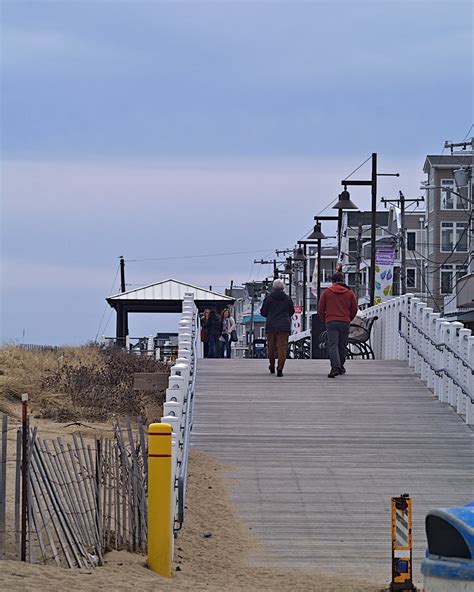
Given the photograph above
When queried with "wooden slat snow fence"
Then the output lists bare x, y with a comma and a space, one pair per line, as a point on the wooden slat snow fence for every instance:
84, 496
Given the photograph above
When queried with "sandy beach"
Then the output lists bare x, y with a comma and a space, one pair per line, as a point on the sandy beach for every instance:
213, 552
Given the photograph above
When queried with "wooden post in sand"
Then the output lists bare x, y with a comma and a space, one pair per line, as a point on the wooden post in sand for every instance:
160, 525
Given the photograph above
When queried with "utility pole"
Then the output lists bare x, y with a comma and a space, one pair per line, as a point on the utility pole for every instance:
463, 179
373, 228
122, 274
401, 201
122, 313
252, 326
358, 261
273, 262
403, 245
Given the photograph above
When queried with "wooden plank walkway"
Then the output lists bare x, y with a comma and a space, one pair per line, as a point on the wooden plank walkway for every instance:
316, 460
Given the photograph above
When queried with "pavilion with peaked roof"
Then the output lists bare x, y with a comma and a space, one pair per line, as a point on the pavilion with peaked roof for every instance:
164, 296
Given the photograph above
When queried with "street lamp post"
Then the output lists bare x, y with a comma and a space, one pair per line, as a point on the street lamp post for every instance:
299, 259
318, 220
373, 185
314, 238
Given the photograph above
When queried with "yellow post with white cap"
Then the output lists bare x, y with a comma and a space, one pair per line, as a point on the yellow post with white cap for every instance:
160, 526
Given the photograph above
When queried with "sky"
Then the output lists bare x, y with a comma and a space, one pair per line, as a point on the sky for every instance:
169, 130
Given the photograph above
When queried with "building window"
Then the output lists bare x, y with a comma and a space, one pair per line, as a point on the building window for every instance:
450, 275
450, 201
454, 237
411, 277
411, 241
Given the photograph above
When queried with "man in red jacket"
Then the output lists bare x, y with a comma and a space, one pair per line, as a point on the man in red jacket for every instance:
336, 308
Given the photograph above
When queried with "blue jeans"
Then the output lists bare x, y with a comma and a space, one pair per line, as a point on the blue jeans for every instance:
226, 348
214, 350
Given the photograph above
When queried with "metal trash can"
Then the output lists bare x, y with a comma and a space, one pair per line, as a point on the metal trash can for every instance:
317, 327
260, 348
449, 565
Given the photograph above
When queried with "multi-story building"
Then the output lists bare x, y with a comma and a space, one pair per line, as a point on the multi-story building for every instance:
415, 245
448, 218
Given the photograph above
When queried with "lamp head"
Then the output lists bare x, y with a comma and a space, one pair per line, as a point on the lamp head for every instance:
299, 255
461, 176
344, 202
317, 234
288, 269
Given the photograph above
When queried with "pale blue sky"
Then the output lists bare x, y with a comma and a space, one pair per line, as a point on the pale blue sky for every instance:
162, 129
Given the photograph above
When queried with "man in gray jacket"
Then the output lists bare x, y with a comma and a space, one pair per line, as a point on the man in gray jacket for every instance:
278, 309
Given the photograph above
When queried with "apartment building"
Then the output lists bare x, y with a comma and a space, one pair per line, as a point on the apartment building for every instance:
388, 237
448, 216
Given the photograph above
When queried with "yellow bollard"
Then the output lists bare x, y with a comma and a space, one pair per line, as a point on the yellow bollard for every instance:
159, 499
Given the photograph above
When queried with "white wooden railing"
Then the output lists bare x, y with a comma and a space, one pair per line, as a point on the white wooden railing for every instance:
441, 352
179, 405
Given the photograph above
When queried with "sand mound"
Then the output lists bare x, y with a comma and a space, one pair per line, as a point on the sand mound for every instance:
212, 553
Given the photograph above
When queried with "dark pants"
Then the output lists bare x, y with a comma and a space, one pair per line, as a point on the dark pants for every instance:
214, 349
205, 349
225, 348
277, 347
338, 332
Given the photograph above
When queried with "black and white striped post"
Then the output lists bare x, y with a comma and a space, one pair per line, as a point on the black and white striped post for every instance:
402, 546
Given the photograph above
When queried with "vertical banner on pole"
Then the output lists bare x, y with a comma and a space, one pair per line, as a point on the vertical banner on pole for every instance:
402, 547
296, 325
314, 278
384, 262
160, 525
343, 259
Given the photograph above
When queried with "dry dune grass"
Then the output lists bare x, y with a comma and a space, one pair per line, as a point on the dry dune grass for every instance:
74, 383
214, 552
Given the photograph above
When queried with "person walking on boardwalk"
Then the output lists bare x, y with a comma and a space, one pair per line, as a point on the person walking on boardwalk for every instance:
214, 323
336, 308
278, 309
225, 341
204, 332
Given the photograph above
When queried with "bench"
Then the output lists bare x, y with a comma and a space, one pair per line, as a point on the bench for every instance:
358, 344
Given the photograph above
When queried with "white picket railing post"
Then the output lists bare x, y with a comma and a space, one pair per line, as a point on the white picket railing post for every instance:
470, 383
439, 351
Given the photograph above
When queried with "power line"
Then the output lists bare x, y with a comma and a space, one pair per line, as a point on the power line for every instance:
450, 253
199, 256
105, 308
335, 199
251, 271
468, 132
359, 167
423, 279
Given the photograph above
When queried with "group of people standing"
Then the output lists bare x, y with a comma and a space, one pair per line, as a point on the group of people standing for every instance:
218, 331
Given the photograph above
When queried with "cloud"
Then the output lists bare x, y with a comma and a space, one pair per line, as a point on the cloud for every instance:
233, 78
39, 277
77, 189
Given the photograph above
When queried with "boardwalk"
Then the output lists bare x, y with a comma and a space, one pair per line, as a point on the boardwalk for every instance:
315, 461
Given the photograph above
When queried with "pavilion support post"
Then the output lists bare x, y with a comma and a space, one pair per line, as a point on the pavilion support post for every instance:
122, 325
